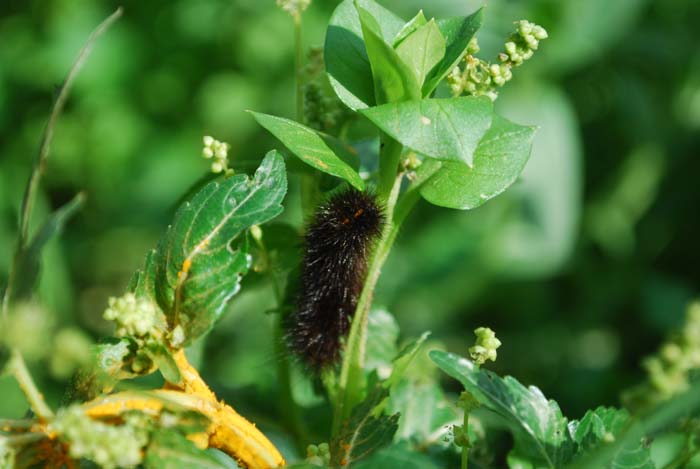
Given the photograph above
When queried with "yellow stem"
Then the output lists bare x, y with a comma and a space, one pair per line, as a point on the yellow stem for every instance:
228, 431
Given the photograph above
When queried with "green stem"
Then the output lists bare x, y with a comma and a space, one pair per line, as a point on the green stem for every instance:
35, 398
298, 68
351, 381
389, 157
40, 158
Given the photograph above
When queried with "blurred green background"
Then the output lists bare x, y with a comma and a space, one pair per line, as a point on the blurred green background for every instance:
582, 267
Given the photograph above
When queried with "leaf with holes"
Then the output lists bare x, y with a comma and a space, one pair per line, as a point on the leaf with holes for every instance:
540, 430
204, 254
604, 425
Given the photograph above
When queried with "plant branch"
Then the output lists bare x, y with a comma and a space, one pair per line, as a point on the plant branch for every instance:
36, 400
298, 68
351, 381
39, 163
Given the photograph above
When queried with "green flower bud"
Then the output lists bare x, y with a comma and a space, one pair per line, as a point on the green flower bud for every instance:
137, 317
294, 7
485, 347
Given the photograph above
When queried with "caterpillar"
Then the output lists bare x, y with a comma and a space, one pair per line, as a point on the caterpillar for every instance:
337, 244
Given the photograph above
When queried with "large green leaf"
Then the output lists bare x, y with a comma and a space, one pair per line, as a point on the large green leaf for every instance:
394, 81
539, 428
309, 147
422, 50
169, 449
445, 129
457, 33
498, 160
603, 426
29, 262
345, 55
203, 256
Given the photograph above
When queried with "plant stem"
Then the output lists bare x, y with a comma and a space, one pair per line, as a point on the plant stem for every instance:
39, 163
298, 68
35, 398
351, 381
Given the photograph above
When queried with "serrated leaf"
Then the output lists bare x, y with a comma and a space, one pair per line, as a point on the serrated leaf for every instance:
309, 147
345, 55
410, 27
422, 50
29, 262
170, 450
445, 129
603, 426
499, 159
457, 33
539, 428
365, 431
198, 268
394, 81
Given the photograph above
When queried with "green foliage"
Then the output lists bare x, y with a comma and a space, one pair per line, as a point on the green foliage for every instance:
384, 403
309, 147
203, 256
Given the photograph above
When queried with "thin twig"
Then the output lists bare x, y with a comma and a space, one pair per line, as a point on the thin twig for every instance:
39, 163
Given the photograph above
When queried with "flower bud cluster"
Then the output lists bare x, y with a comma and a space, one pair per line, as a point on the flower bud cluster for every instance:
109, 446
318, 455
485, 347
140, 320
218, 151
480, 78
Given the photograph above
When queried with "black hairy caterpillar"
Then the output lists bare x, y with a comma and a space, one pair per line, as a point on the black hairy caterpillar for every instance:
337, 245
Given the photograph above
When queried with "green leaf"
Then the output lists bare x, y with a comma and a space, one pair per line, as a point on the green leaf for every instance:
170, 450
422, 50
662, 418
165, 362
498, 160
382, 334
198, 267
404, 358
30, 258
539, 428
426, 414
309, 147
457, 33
445, 129
366, 430
398, 455
603, 426
393, 80
345, 55
409, 28
143, 283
